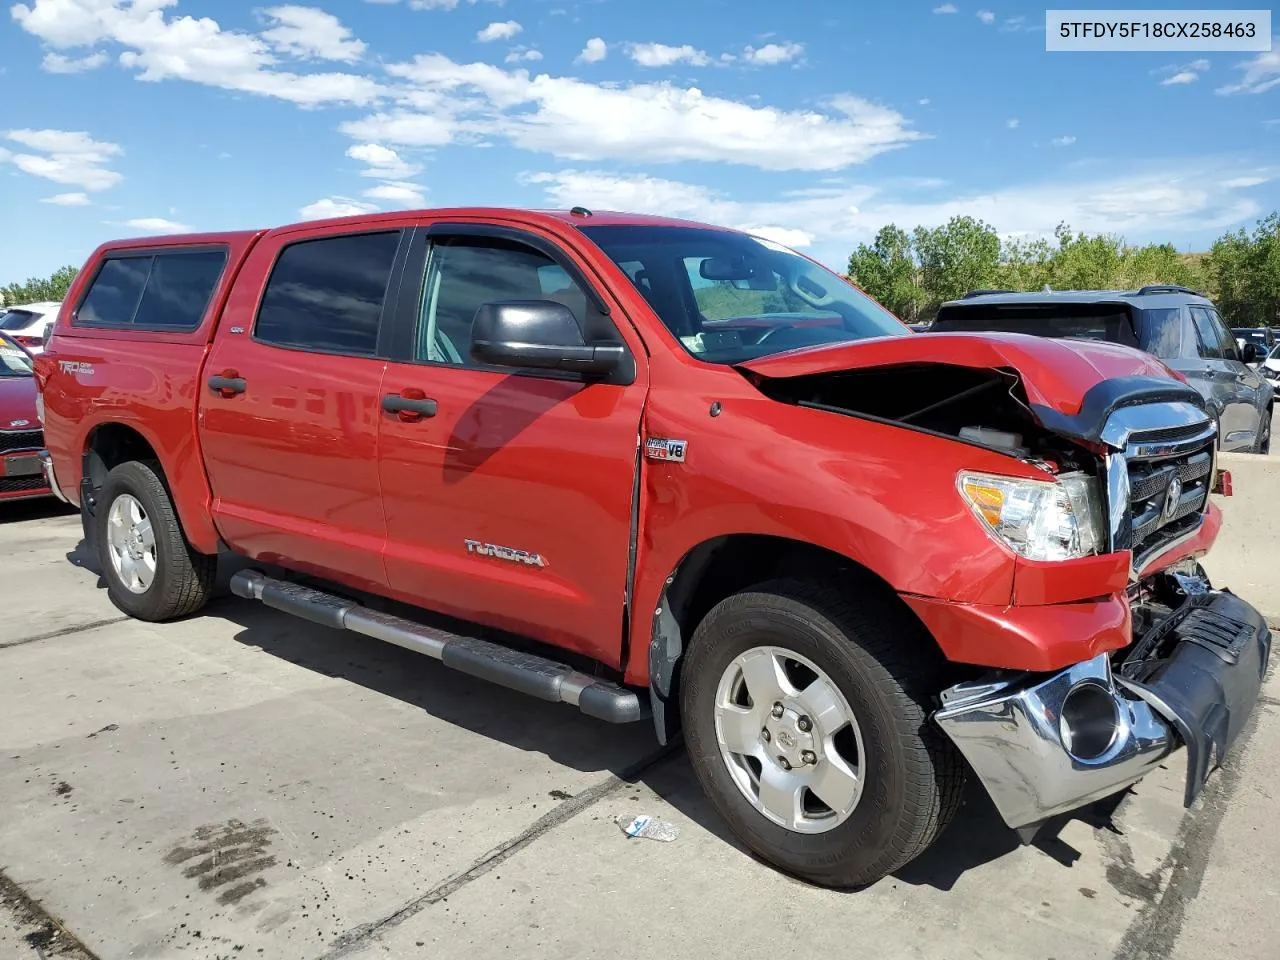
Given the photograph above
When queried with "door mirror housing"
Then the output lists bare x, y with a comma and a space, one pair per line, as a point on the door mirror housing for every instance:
538, 334
1249, 352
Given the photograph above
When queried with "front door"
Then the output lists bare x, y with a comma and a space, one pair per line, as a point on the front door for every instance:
508, 494
290, 411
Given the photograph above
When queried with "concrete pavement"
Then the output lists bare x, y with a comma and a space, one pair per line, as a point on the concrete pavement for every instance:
244, 784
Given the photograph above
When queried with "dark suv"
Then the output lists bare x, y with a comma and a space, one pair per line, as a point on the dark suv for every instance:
1178, 325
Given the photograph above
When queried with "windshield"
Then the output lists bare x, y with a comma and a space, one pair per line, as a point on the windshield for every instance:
14, 361
17, 319
1088, 321
729, 297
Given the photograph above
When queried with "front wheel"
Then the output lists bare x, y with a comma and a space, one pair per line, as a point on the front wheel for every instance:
806, 713
152, 573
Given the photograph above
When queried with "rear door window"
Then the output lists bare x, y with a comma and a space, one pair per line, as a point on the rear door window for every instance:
161, 291
327, 294
1162, 332
1209, 342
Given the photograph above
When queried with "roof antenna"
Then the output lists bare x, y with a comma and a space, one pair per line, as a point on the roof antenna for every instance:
579, 212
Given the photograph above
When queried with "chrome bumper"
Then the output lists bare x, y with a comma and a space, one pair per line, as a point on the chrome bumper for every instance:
1195, 687
46, 464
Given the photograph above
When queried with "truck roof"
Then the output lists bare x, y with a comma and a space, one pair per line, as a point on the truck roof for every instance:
577, 217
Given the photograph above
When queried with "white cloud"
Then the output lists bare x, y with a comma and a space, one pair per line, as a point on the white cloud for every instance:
403, 195
662, 55
986, 16
1182, 74
787, 236
65, 156
519, 54
501, 30
310, 33
1158, 203
157, 225
923, 101
1260, 74
773, 53
336, 207
947, 8
595, 51
1063, 141
1241, 183
383, 163
187, 48
68, 199
1013, 123
646, 122
433, 4
57, 63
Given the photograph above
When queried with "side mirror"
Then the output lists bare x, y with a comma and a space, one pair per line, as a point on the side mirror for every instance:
540, 334
1249, 353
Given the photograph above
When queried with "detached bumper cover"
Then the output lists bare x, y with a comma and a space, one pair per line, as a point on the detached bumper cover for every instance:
1196, 688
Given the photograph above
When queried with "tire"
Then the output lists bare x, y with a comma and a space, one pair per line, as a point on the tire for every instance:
887, 670
182, 580
1262, 442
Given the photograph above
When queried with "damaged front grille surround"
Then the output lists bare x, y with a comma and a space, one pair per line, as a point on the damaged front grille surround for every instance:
1158, 477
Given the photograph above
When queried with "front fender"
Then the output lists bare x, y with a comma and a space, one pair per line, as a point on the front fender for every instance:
882, 496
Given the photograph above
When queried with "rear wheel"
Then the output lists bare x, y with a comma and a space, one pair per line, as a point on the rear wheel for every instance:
1262, 442
152, 573
806, 712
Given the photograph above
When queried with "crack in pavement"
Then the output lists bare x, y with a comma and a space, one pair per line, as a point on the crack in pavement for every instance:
64, 632
1155, 930
358, 936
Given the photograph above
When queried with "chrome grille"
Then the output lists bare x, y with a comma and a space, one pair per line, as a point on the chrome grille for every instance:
1161, 481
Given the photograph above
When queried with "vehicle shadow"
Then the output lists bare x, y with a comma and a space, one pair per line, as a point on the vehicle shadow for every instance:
976, 836
44, 508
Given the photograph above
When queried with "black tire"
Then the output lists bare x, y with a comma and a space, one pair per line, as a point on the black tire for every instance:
183, 579
1262, 442
889, 671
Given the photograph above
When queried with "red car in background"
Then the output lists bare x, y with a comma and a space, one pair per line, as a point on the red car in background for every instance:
21, 434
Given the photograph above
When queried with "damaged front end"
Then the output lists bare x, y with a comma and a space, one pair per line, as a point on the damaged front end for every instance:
1047, 744
1189, 666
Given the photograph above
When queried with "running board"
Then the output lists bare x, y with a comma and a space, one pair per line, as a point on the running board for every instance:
526, 672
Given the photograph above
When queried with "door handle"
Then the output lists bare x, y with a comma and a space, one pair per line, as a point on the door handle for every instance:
407, 407
228, 383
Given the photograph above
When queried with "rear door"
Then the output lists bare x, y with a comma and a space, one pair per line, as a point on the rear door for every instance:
1224, 388
509, 500
289, 408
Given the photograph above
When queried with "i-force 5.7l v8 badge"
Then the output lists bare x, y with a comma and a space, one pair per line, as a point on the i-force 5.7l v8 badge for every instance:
661, 448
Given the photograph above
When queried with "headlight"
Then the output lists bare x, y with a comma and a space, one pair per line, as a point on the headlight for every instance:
1038, 519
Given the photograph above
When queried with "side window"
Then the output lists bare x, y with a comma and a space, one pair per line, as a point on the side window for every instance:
465, 273
1162, 333
327, 294
1230, 349
162, 291
1210, 344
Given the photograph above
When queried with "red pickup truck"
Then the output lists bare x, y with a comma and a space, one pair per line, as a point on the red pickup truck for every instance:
666, 470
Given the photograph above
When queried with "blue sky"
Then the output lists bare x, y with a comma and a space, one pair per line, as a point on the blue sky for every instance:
814, 121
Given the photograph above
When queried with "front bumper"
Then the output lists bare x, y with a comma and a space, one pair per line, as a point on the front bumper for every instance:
22, 475
1191, 680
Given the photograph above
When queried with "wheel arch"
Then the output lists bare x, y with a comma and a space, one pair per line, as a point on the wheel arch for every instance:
716, 569
111, 443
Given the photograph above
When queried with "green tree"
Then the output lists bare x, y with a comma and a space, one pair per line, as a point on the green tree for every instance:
887, 271
961, 255
1245, 271
35, 289
1024, 264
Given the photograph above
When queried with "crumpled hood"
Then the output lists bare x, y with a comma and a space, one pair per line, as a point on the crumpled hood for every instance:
18, 403
1056, 374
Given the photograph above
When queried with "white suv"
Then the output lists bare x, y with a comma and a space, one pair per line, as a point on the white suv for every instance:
29, 322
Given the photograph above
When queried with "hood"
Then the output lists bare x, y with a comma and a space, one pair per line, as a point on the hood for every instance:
1056, 374
18, 402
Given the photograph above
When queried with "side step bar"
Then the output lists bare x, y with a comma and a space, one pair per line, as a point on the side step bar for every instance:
526, 672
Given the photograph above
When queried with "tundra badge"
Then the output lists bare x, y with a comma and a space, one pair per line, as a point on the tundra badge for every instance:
660, 448
505, 553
